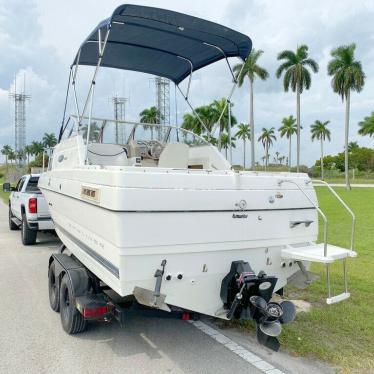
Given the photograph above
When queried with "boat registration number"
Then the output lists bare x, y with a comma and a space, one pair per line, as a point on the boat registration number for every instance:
89, 193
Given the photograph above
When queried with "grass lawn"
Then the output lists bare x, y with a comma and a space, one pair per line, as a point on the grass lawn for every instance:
342, 334
353, 181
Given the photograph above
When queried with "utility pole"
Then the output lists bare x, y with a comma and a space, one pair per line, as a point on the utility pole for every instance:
20, 99
119, 104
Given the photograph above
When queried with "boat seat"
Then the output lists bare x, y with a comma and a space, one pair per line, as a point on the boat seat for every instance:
134, 150
107, 154
174, 155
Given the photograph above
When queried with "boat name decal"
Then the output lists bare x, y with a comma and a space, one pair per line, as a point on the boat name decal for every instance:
89, 193
234, 215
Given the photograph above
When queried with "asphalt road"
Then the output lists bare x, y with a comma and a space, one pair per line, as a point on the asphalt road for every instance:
32, 340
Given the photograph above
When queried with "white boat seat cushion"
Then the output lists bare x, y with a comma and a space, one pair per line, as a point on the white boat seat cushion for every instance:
174, 155
107, 154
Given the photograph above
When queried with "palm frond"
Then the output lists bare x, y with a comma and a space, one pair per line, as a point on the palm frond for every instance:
312, 64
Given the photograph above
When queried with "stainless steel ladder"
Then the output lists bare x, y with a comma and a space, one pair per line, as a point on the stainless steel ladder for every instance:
336, 252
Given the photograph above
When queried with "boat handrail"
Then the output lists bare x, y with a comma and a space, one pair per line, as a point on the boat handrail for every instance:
330, 300
135, 124
325, 220
349, 210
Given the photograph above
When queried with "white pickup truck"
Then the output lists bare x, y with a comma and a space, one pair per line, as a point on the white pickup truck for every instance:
28, 209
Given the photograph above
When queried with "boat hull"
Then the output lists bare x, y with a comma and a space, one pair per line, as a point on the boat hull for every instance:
198, 231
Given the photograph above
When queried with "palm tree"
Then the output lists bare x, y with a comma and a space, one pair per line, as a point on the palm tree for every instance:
218, 107
320, 132
288, 129
266, 139
210, 139
12, 156
20, 156
94, 132
6, 151
251, 70
28, 152
277, 156
37, 148
225, 142
297, 75
206, 114
150, 116
347, 75
243, 133
353, 146
49, 140
367, 126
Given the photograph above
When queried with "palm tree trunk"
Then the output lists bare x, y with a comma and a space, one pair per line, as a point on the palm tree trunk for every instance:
322, 176
252, 125
6, 162
298, 127
346, 164
289, 155
266, 156
244, 154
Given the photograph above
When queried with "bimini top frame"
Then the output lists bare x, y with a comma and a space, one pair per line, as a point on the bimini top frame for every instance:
159, 42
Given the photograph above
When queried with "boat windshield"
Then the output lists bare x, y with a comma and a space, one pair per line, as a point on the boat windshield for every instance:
109, 131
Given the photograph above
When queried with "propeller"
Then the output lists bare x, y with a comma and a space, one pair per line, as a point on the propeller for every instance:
271, 328
270, 342
269, 318
289, 312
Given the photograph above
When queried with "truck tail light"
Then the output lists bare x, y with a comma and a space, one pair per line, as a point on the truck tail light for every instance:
33, 205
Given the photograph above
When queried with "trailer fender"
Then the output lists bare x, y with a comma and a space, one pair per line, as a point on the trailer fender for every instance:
77, 273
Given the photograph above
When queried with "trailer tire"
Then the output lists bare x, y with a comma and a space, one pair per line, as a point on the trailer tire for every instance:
12, 225
53, 288
28, 235
72, 321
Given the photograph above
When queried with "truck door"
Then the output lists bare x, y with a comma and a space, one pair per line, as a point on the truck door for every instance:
17, 198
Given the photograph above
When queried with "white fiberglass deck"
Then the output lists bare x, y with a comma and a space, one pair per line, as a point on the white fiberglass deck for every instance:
315, 253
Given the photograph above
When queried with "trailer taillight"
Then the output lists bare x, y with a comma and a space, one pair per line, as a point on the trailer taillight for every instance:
94, 312
33, 205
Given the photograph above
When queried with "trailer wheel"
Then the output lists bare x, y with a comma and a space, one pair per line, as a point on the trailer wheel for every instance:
12, 225
53, 288
28, 235
72, 321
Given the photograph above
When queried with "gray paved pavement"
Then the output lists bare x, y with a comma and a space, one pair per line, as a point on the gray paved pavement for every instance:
32, 340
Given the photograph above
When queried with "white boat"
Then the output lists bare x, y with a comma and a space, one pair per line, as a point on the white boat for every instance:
167, 220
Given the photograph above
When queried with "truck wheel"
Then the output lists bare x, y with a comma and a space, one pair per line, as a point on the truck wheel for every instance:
72, 321
12, 225
28, 235
53, 288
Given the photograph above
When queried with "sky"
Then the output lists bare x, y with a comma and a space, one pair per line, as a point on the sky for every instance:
39, 39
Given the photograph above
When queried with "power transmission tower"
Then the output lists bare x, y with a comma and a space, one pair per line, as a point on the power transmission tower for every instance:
163, 99
162, 103
119, 104
20, 120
